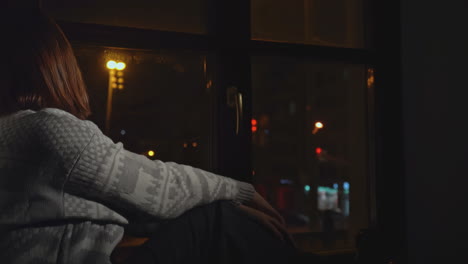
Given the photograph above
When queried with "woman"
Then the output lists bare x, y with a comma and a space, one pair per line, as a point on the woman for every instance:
68, 191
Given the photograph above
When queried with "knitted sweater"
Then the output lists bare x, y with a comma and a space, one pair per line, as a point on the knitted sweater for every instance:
67, 191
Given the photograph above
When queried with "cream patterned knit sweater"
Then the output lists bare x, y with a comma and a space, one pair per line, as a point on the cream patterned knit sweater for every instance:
67, 190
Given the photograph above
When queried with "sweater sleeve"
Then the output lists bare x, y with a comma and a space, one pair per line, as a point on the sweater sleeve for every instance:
104, 171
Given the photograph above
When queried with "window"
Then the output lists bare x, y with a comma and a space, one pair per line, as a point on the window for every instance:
321, 22
161, 102
271, 92
310, 146
159, 15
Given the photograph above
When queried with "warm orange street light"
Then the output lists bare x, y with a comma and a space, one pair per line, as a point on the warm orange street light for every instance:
120, 66
111, 65
318, 125
114, 83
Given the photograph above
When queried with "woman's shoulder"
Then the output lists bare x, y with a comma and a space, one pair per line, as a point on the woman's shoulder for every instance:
61, 130
54, 112
42, 113
58, 115
51, 124
58, 120
36, 117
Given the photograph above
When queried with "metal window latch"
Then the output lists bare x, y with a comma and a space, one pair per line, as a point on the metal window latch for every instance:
234, 100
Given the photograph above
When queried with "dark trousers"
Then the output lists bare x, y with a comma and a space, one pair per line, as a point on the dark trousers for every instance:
214, 233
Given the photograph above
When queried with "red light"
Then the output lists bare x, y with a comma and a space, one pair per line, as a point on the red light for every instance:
254, 129
318, 150
254, 122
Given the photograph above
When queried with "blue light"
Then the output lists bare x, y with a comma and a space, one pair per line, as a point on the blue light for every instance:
346, 185
307, 188
286, 181
335, 186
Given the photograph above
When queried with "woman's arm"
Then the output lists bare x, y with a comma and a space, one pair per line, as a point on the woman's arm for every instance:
101, 170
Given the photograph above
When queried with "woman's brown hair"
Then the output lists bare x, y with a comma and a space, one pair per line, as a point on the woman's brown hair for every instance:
38, 69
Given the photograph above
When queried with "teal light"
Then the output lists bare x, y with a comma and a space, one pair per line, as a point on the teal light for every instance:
327, 190
346, 187
307, 188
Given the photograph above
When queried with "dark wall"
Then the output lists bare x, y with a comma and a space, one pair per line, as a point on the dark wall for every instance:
435, 113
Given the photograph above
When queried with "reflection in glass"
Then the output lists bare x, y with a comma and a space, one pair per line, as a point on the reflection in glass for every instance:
163, 109
310, 146
337, 23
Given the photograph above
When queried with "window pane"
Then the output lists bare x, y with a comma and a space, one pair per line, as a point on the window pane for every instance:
175, 15
309, 137
161, 104
321, 22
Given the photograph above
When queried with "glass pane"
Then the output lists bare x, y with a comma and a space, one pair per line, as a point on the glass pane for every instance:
160, 102
321, 22
175, 15
310, 149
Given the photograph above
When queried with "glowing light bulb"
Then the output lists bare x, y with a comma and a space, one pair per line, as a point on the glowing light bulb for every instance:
111, 65
319, 125
346, 185
120, 66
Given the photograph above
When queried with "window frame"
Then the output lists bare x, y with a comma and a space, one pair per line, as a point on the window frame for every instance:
229, 40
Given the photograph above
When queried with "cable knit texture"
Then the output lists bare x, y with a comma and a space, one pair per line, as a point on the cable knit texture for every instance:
67, 191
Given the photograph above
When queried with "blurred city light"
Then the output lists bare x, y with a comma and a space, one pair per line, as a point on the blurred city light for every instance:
370, 77
151, 153
111, 65
194, 144
114, 83
318, 151
120, 66
286, 181
317, 126
254, 125
346, 185
307, 188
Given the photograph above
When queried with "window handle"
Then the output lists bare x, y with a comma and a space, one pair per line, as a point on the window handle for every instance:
239, 112
235, 100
